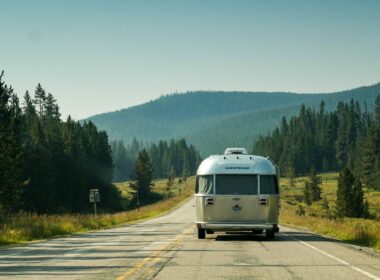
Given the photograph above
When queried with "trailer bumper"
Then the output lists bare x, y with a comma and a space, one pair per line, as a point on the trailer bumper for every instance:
237, 226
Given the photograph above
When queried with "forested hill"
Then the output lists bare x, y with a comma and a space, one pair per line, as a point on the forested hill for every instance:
214, 120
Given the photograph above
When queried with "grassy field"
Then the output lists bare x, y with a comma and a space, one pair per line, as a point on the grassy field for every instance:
25, 227
318, 219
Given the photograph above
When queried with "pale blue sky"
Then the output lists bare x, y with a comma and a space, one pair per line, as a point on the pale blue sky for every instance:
98, 56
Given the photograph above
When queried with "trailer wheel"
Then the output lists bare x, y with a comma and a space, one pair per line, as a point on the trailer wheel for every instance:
201, 233
269, 233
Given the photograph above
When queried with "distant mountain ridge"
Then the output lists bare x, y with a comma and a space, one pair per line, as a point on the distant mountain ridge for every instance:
215, 120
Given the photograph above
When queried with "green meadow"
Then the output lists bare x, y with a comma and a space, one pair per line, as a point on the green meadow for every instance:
24, 227
321, 219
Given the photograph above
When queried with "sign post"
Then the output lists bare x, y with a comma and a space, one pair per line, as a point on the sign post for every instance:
94, 198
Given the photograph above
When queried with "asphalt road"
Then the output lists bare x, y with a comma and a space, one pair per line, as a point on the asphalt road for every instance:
167, 248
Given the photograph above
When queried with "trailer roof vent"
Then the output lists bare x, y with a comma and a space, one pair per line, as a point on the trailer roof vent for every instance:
235, 151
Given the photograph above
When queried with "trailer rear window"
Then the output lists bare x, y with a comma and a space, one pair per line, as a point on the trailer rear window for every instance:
236, 184
204, 184
268, 184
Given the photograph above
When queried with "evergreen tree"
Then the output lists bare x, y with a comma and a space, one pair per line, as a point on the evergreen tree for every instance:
329, 141
291, 176
343, 195
143, 175
307, 193
46, 165
170, 182
186, 169
358, 207
51, 108
10, 149
176, 155
350, 197
341, 143
122, 164
326, 207
315, 188
377, 111
39, 100
312, 189
366, 167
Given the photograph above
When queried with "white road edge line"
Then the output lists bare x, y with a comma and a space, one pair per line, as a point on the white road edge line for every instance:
369, 275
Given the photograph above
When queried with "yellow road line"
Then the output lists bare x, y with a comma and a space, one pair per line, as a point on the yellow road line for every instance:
156, 256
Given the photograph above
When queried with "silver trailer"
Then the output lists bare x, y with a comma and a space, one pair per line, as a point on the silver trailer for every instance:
237, 192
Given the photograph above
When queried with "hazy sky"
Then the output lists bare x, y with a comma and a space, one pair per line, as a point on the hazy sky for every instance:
98, 56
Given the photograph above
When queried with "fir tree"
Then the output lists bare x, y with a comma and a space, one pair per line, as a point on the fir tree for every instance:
39, 100
377, 111
350, 197
343, 195
358, 207
143, 174
326, 207
307, 193
10, 149
315, 188
291, 176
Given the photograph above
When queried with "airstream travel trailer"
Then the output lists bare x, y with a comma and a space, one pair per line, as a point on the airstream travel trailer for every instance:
237, 192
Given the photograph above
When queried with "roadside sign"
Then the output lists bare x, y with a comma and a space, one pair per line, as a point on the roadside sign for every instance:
94, 197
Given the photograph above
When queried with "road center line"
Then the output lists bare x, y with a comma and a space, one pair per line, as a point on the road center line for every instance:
156, 256
369, 275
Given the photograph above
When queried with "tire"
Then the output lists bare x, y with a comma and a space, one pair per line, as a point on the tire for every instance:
201, 233
257, 231
276, 228
269, 233
209, 231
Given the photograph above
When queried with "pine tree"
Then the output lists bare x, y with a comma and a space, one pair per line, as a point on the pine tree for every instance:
377, 111
358, 207
185, 170
171, 178
350, 197
326, 207
10, 149
341, 144
51, 108
291, 176
343, 195
315, 188
366, 166
307, 193
122, 163
29, 110
39, 100
143, 174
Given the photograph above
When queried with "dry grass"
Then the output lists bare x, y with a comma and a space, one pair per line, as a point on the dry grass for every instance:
25, 227
357, 231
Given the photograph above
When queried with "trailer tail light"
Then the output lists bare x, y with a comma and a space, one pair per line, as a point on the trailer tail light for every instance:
209, 201
263, 201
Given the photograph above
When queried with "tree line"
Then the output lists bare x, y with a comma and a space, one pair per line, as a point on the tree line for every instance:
228, 118
328, 141
48, 165
174, 158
